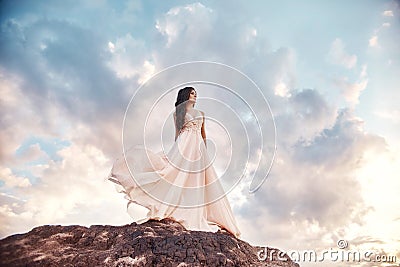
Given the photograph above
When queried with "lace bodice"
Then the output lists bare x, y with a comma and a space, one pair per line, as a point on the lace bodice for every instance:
192, 123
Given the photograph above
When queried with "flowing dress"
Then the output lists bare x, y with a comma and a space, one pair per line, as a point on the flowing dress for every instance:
181, 185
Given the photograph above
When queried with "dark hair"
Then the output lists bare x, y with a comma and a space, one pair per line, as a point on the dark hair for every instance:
180, 105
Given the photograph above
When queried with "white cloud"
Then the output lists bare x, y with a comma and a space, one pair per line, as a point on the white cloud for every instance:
281, 90
377, 177
251, 35
388, 13
111, 47
385, 34
190, 20
128, 59
351, 91
338, 55
68, 189
147, 71
11, 180
373, 41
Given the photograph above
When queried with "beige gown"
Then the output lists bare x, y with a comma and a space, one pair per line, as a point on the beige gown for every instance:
181, 185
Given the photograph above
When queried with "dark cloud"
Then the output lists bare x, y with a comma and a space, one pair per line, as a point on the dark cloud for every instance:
341, 145
315, 181
62, 62
65, 65
302, 116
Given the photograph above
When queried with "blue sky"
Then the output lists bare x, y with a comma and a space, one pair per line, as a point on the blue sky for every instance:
329, 70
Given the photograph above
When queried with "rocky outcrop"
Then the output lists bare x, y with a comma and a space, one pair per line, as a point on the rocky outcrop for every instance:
153, 243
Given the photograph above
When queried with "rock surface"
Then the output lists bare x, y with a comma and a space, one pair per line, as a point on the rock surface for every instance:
153, 243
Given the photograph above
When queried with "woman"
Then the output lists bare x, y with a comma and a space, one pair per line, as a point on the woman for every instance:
182, 185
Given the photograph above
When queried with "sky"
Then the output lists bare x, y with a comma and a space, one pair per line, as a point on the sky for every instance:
329, 70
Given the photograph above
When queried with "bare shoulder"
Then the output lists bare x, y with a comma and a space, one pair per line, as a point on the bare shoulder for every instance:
202, 113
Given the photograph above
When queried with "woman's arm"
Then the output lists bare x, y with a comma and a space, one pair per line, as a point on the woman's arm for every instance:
203, 131
176, 128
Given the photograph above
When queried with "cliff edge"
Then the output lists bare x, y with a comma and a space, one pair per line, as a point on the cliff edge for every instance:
153, 243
